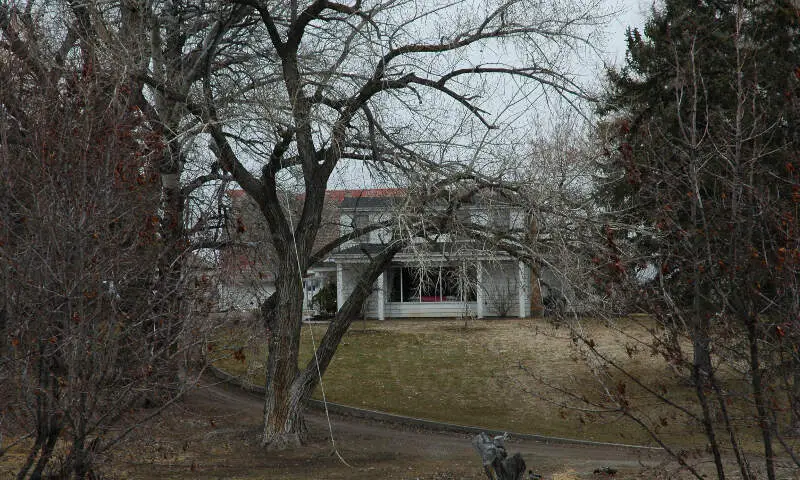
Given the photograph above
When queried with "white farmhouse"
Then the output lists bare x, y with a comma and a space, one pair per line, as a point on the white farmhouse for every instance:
445, 276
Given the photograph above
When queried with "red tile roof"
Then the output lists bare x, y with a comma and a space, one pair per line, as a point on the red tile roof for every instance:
339, 195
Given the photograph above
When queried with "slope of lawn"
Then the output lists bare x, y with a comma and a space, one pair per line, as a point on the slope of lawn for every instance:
490, 373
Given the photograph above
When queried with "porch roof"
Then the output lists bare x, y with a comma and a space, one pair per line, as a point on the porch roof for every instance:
363, 252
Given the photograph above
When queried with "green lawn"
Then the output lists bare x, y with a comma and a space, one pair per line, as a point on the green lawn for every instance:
439, 370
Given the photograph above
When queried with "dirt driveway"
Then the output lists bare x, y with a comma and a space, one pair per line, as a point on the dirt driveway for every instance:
212, 435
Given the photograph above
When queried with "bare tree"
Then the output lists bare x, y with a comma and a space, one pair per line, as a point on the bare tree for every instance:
87, 340
168, 42
287, 93
409, 91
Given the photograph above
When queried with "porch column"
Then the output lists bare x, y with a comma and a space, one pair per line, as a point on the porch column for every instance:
381, 297
522, 289
339, 286
479, 289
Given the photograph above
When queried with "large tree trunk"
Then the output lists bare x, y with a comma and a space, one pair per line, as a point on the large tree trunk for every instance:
288, 388
284, 424
283, 417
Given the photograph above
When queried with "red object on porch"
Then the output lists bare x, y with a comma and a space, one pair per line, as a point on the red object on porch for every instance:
432, 298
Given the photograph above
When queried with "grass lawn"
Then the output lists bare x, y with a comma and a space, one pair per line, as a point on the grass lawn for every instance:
490, 374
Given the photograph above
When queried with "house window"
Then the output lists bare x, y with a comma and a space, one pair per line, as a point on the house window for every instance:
360, 220
438, 284
403, 285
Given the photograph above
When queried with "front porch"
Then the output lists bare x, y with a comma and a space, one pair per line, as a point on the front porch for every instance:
442, 289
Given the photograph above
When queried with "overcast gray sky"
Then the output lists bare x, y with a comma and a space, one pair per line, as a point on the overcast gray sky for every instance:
631, 13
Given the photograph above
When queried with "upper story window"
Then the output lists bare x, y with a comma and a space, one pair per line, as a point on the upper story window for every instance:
359, 220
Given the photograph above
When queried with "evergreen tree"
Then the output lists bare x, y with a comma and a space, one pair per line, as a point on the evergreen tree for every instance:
702, 129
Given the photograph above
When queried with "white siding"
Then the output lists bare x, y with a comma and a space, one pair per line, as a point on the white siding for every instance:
429, 309
381, 235
244, 296
518, 220
500, 288
350, 276
523, 295
345, 227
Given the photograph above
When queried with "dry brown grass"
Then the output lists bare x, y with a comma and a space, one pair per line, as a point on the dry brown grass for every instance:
568, 475
493, 374
430, 369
